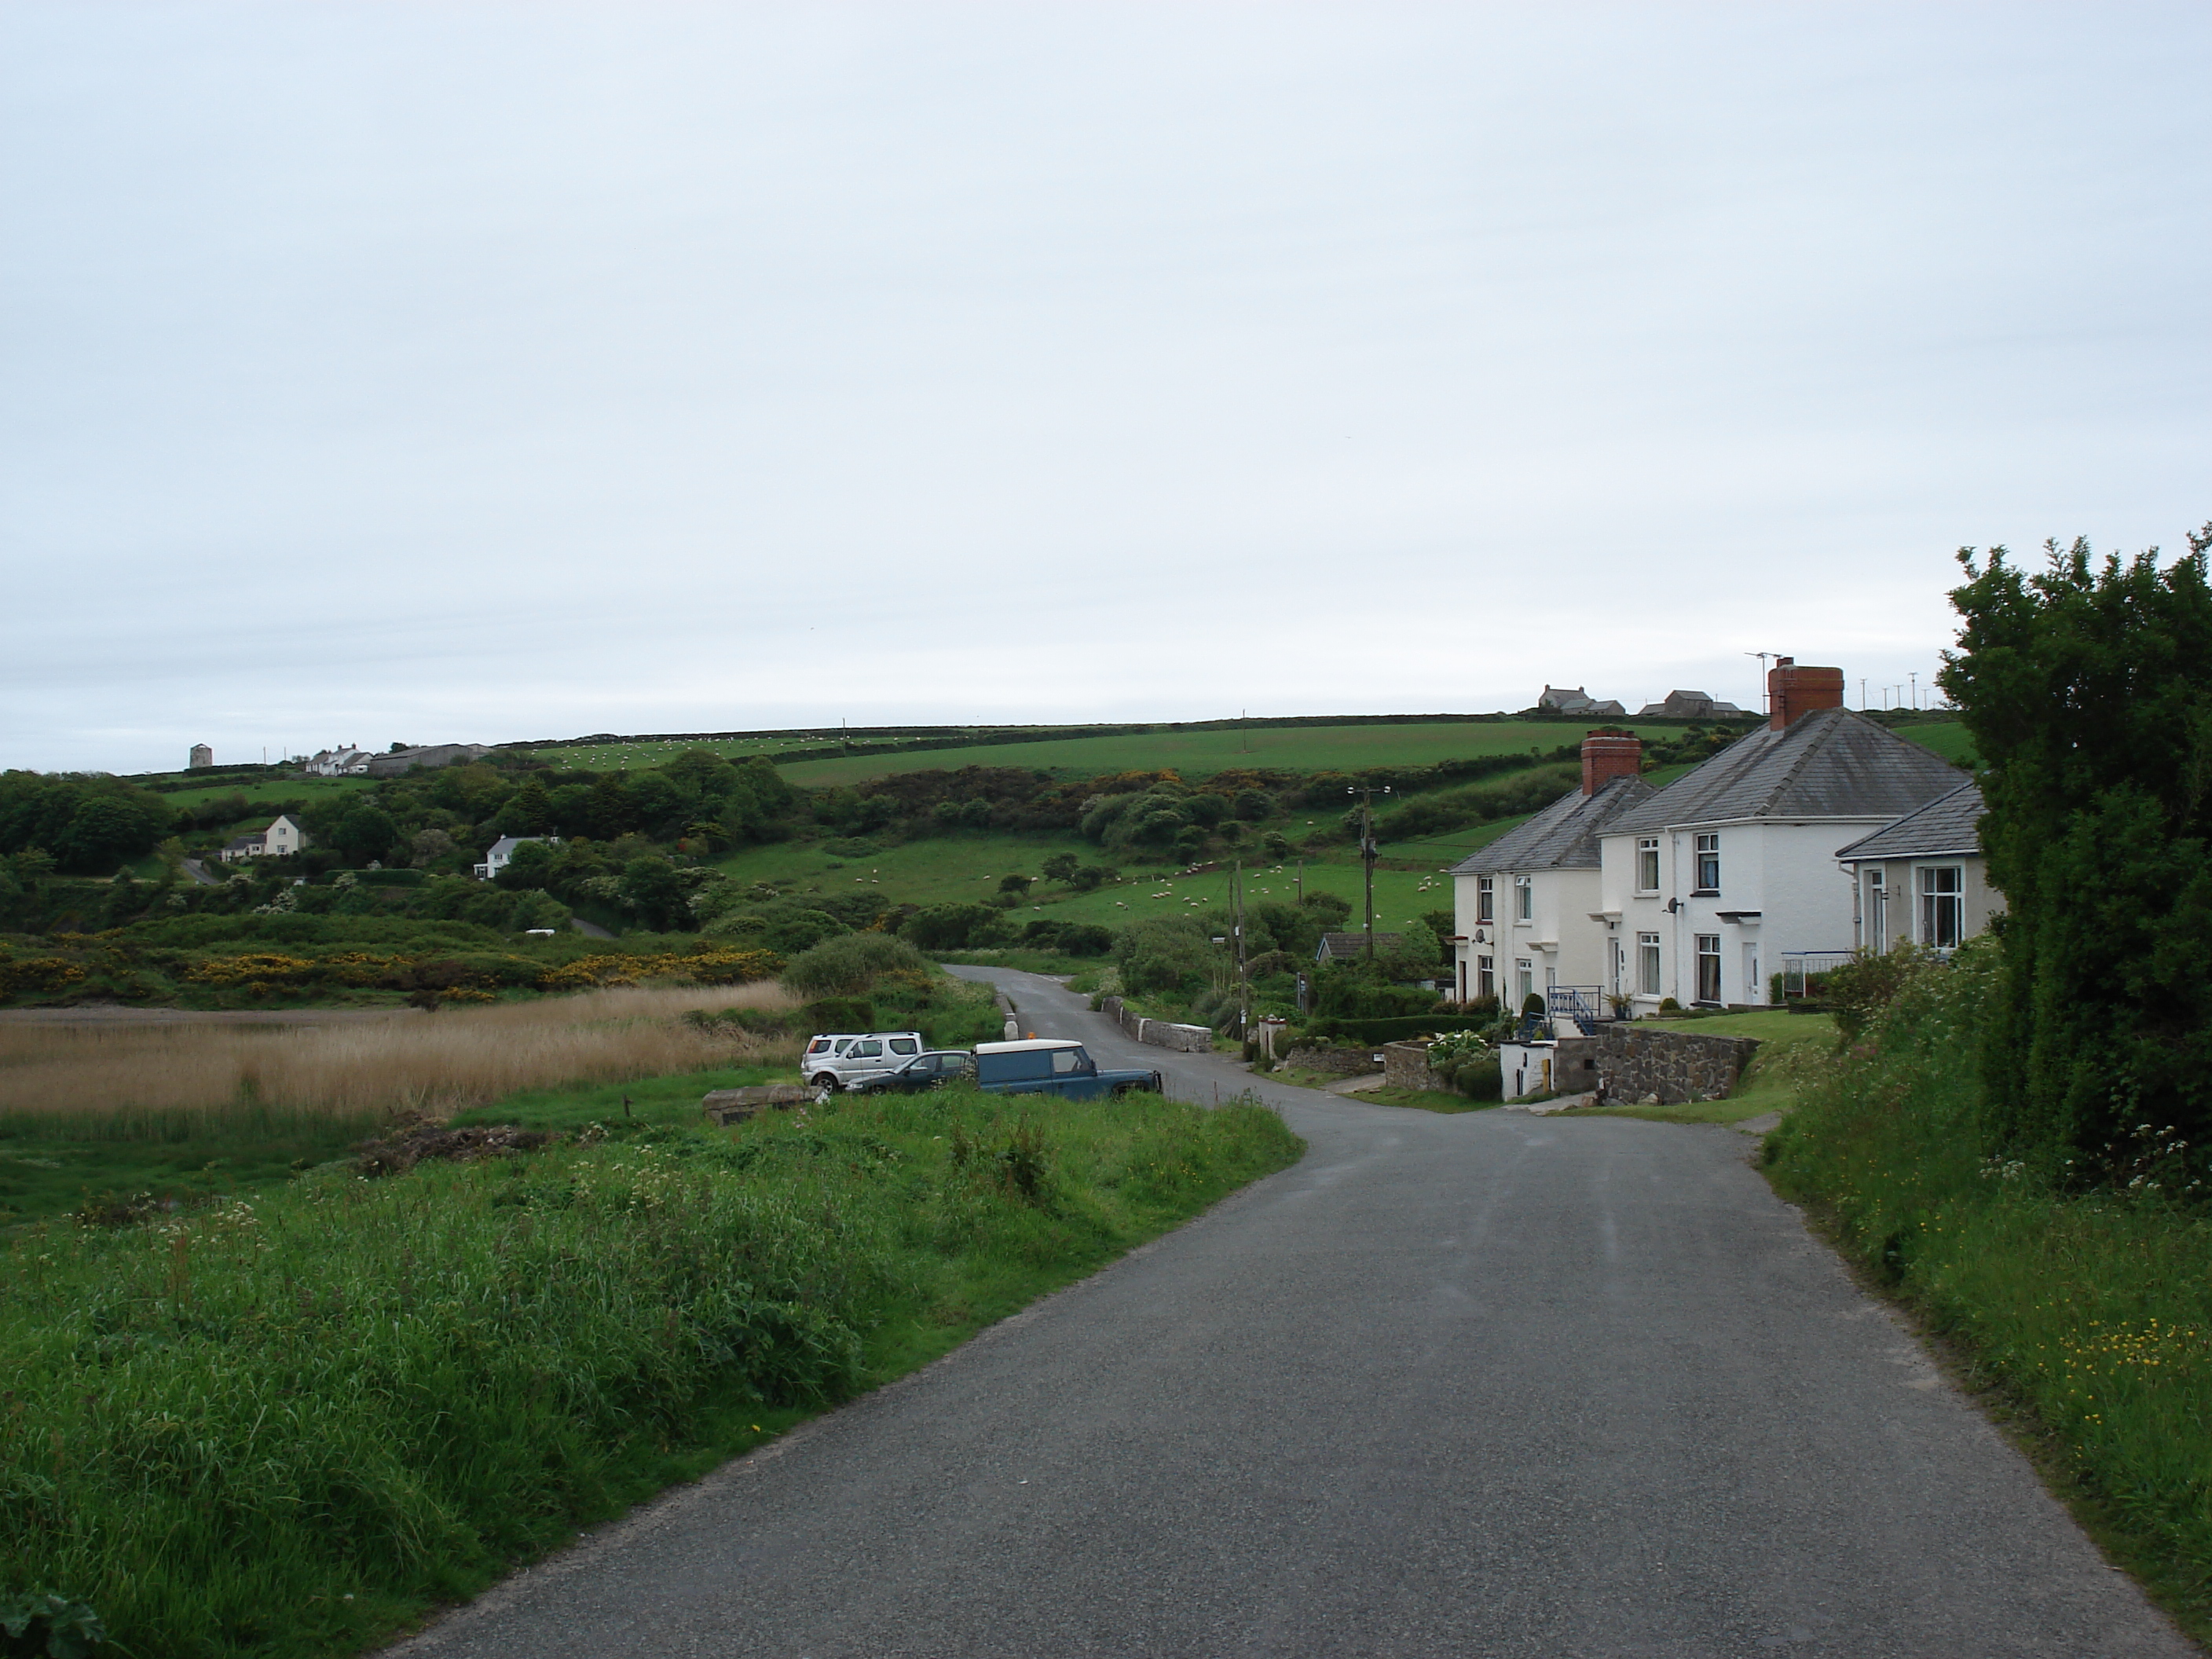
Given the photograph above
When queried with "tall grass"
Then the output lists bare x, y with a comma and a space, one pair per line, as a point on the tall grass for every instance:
96, 1082
289, 1427
2091, 1309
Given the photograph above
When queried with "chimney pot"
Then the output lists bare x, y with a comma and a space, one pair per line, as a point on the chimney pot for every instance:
1608, 753
1793, 692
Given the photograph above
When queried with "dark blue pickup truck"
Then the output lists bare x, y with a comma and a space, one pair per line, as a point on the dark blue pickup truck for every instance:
1052, 1066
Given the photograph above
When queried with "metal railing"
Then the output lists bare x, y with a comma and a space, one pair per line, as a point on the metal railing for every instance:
1585, 1004
1803, 970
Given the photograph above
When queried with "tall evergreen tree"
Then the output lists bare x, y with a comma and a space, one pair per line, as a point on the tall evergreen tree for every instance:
2088, 687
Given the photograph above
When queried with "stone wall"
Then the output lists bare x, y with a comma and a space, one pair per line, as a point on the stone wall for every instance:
1637, 1060
1160, 1033
1405, 1065
1334, 1062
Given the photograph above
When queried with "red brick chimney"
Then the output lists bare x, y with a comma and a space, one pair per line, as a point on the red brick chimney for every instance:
1792, 691
1608, 754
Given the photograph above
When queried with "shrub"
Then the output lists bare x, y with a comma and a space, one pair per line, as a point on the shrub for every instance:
849, 965
946, 926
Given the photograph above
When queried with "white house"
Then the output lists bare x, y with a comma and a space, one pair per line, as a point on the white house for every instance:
348, 762
502, 853
280, 840
1924, 878
1712, 883
1523, 903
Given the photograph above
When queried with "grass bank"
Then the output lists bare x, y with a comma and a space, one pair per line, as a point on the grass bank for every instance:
2087, 1316
1769, 1083
294, 1426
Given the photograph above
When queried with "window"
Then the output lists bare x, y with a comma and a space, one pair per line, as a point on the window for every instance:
1877, 911
1486, 976
1485, 899
905, 1046
1525, 973
1708, 967
1524, 898
1943, 906
1647, 964
1647, 864
1067, 1061
1708, 864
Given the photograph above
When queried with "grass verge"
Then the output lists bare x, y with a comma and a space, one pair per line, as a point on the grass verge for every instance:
293, 1427
2086, 1318
1769, 1083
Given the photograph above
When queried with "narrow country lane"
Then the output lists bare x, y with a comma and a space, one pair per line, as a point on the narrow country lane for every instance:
1481, 1385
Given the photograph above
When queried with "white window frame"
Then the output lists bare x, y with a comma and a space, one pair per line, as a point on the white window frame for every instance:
1947, 903
1524, 898
1486, 900
1647, 964
1708, 856
1877, 909
1647, 864
1706, 948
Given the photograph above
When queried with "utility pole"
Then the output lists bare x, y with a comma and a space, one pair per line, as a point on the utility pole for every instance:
1302, 881
1862, 702
1368, 854
1243, 978
1916, 688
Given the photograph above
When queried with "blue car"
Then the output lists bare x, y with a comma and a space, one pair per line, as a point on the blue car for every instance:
1052, 1065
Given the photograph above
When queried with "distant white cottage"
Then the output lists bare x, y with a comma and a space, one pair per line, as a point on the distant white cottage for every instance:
280, 840
502, 852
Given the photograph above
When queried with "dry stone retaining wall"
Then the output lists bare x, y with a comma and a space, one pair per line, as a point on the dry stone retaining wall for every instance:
1635, 1061
1405, 1065
1160, 1033
1334, 1062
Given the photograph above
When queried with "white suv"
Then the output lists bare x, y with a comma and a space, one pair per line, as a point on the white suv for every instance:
855, 1060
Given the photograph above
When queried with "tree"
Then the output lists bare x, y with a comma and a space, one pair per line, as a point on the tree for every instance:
1061, 868
649, 886
2088, 688
1018, 885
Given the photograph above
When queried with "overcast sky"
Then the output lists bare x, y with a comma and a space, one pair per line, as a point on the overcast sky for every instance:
434, 372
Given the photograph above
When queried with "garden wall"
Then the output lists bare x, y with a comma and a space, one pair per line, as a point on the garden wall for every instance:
1160, 1033
1405, 1065
1635, 1061
1334, 1062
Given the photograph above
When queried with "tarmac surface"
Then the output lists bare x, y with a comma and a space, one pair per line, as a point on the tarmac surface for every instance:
1482, 1384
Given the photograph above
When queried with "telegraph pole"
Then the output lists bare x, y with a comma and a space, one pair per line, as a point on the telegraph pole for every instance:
1368, 854
1243, 977
1764, 701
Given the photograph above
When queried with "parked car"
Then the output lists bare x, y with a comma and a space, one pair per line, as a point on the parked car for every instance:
826, 1046
863, 1058
930, 1070
1052, 1065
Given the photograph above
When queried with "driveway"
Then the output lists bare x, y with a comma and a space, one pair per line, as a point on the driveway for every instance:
1475, 1385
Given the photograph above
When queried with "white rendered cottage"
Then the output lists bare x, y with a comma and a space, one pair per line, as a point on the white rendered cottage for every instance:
280, 840
502, 853
1709, 885
1922, 879
1523, 903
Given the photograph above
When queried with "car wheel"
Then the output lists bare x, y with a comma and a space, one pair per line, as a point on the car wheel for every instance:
827, 1083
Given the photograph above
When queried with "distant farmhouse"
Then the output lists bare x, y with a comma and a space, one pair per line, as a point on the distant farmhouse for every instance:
1562, 700
1691, 706
280, 840
351, 763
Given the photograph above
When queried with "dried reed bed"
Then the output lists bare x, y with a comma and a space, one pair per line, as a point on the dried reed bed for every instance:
434, 1064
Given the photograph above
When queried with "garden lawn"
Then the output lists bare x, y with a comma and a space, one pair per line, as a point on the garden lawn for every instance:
294, 1426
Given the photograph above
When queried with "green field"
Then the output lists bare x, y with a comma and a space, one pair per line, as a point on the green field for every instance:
1949, 739
1200, 754
271, 789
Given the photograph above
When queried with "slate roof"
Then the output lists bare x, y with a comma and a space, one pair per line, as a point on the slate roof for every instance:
1948, 824
1336, 946
1831, 764
1564, 835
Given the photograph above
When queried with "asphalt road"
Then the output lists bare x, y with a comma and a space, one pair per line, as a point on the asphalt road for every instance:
1485, 1384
